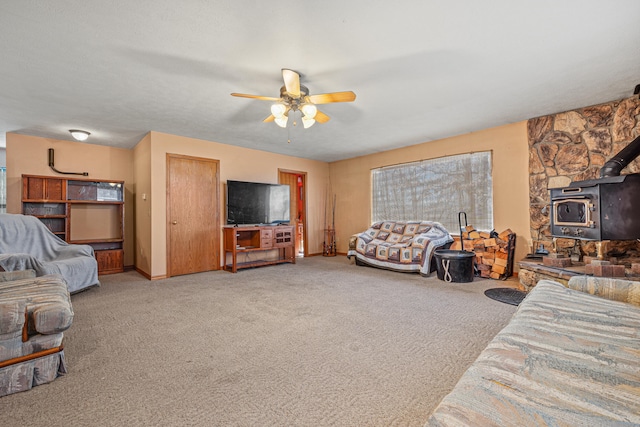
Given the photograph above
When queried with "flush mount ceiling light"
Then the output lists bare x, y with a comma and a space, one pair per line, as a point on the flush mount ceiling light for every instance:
79, 135
295, 97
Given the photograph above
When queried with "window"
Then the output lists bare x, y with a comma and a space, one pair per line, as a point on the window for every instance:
436, 190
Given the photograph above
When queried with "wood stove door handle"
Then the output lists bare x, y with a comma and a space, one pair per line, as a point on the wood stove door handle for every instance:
570, 190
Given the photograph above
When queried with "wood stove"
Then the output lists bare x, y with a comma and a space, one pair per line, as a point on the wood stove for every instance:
607, 208
597, 209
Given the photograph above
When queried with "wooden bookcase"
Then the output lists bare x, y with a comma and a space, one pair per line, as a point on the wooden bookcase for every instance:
80, 211
261, 245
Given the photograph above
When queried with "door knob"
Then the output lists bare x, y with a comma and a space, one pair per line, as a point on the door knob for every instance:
174, 222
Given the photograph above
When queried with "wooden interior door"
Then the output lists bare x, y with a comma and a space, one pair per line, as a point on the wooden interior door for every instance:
297, 182
193, 206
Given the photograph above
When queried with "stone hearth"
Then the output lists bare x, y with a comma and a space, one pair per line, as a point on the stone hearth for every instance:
533, 270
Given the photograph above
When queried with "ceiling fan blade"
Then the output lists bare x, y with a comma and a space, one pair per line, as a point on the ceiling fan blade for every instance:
321, 117
263, 98
291, 82
269, 119
327, 98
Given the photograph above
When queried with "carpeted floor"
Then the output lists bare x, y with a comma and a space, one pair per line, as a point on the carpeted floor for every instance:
319, 343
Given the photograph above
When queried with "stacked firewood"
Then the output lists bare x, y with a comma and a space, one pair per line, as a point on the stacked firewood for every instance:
492, 250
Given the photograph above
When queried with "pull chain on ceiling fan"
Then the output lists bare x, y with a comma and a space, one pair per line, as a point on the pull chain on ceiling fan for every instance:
295, 97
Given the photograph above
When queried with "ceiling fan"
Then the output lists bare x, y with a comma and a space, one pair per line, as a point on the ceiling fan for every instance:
295, 97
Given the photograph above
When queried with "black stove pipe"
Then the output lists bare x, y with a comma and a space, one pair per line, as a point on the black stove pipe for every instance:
621, 160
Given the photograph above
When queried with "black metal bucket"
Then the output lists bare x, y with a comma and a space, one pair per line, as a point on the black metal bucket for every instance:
454, 266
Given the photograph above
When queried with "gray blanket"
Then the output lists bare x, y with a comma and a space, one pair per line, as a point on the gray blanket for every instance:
26, 243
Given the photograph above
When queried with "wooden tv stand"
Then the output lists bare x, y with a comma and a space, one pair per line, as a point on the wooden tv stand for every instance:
257, 242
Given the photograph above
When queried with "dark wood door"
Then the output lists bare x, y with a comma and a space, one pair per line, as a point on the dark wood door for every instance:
193, 206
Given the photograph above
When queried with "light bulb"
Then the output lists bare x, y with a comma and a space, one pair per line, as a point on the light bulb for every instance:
282, 121
278, 110
309, 110
307, 122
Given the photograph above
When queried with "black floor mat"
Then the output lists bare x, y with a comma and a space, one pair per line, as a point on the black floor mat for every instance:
506, 295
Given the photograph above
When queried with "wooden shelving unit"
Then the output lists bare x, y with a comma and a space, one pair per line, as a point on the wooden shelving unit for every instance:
257, 243
80, 211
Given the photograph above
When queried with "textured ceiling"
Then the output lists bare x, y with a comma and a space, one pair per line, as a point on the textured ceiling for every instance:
422, 70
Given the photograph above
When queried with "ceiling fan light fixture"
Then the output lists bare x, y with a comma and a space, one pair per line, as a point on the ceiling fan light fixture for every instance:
282, 121
307, 122
79, 135
278, 110
295, 105
309, 110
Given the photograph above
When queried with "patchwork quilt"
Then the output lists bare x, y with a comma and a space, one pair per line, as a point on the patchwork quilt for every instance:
402, 246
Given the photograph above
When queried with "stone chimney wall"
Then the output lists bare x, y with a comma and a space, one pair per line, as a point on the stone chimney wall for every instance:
573, 146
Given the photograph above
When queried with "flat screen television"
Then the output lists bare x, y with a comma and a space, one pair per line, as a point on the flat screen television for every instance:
250, 203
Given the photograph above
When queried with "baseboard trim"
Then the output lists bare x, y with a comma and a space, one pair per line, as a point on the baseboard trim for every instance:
148, 276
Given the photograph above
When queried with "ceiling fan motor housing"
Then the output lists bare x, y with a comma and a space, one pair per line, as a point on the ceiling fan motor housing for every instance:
294, 102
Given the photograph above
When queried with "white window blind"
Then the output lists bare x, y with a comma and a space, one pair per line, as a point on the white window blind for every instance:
436, 190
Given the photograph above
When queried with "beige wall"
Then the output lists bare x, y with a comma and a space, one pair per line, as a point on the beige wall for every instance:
144, 171
235, 163
351, 180
30, 155
142, 204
